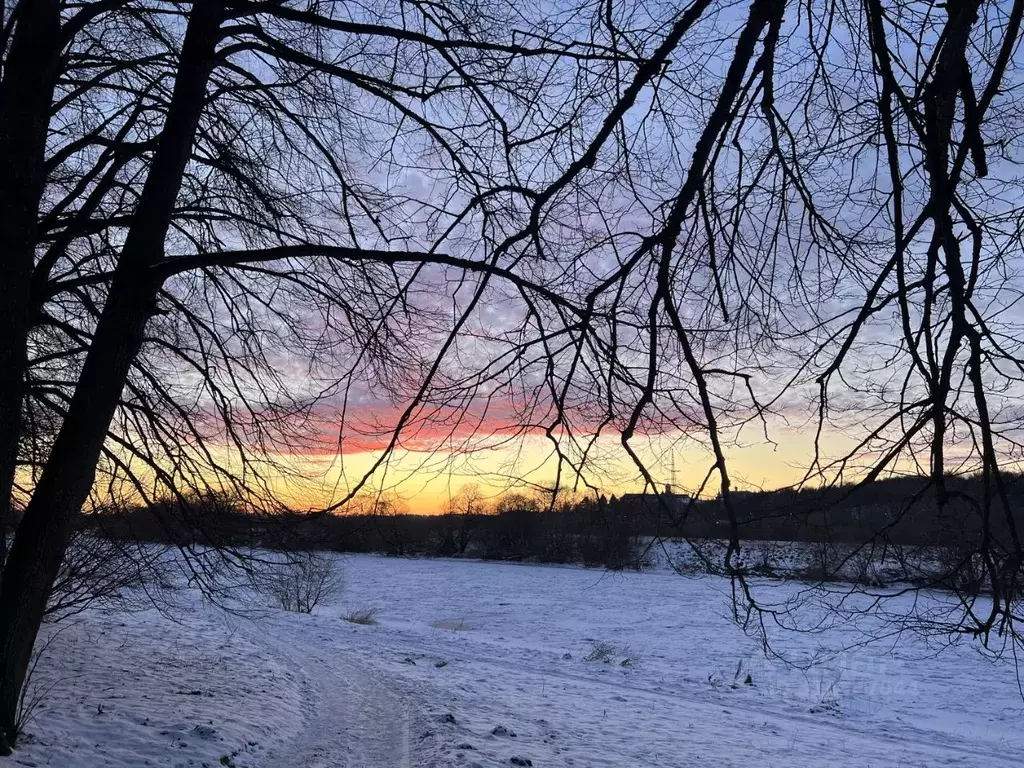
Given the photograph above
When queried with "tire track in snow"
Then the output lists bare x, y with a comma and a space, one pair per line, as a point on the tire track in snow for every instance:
355, 716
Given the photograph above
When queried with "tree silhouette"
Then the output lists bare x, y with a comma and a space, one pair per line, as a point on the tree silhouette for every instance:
616, 221
198, 194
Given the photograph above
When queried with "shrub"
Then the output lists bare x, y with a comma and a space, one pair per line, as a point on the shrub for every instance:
603, 652
366, 616
302, 582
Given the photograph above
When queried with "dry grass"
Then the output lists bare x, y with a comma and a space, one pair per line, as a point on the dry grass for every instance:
365, 616
603, 652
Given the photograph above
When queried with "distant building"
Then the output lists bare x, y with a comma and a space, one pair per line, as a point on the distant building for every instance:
652, 507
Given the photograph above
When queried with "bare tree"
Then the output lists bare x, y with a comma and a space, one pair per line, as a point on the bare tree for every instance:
693, 221
301, 582
210, 192
462, 513
29, 74
763, 198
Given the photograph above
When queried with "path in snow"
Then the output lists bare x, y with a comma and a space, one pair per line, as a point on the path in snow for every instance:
353, 717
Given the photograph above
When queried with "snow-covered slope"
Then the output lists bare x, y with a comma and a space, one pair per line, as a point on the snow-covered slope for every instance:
484, 663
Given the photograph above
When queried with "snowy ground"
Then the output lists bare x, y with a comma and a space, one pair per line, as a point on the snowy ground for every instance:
800, 560
477, 664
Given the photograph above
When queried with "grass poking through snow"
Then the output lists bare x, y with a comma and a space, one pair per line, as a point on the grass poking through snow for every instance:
366, 616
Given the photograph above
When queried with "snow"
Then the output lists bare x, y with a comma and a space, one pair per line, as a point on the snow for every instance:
137, 689
794, 559
478, 664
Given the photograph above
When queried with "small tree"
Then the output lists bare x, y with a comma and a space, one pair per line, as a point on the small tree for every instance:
302, 582
462, 517
514, 526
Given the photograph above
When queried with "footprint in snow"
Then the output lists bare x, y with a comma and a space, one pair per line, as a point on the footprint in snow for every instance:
205, 732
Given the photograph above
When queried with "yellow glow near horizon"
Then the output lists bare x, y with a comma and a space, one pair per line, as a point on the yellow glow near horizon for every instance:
424, 481
427, 480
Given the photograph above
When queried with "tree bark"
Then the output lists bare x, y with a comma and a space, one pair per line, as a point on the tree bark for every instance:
26, 94
39, 545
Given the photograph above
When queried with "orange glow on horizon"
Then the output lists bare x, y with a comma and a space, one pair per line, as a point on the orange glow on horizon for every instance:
425, 481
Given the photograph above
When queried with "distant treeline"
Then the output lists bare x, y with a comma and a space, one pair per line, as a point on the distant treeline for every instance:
593, 531
902, 510
588, 533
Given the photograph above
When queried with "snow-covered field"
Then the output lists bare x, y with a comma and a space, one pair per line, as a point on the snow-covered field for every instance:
802, 560
487, 664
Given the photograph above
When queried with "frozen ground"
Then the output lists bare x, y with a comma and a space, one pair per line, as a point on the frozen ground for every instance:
482, 663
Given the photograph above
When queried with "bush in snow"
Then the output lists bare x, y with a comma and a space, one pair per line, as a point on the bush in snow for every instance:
302, 582
601, 652
367, 616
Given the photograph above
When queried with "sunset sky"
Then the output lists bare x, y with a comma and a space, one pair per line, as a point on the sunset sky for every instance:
426, 478
770, 318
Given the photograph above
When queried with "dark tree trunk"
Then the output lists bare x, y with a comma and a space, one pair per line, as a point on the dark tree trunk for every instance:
26, 93
65, 482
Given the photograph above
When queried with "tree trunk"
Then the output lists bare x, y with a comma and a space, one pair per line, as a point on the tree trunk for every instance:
65, 482
26, 95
